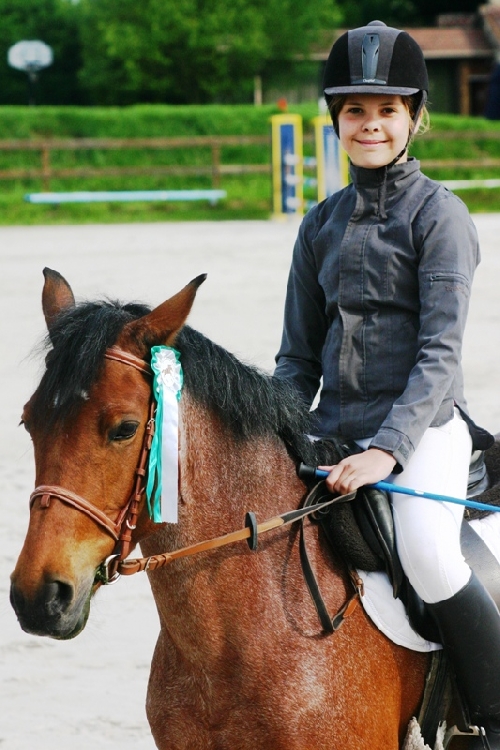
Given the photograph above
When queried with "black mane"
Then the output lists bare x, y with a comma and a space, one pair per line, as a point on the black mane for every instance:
76, 344
247, 401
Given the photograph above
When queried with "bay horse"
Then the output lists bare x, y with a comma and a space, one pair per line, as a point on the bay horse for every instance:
241, 661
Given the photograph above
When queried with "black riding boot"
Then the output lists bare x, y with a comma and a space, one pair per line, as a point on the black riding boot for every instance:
469, 623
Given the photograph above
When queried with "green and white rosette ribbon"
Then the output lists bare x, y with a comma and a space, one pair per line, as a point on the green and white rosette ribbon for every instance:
162, 486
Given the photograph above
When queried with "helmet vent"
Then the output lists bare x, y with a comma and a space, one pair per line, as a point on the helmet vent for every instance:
369, 53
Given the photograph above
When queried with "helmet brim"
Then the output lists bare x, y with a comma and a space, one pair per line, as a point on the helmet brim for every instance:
371, 89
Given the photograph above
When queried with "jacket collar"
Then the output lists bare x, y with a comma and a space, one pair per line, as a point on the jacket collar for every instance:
373, 178
384, 181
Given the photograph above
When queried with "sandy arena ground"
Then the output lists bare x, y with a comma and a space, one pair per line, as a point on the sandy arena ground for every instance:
89, 693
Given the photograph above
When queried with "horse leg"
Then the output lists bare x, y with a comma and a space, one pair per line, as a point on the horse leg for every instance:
177, 701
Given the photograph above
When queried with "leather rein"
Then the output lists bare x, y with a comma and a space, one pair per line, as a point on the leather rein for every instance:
121, 529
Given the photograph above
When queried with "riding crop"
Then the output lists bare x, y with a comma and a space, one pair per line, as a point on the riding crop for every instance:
310, 472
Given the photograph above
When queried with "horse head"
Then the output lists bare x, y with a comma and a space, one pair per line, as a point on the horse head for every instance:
87, 420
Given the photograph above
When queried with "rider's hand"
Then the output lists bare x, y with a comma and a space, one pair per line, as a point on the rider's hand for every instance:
369, 467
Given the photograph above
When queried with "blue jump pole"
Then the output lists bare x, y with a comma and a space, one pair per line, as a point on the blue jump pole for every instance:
126, 196
389, 487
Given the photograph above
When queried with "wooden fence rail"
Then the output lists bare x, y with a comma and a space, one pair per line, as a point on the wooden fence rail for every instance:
46, 171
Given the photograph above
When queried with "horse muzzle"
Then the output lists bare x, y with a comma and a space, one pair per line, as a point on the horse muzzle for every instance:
55, 610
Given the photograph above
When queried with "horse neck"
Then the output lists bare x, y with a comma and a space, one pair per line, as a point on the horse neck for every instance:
224, 476
221, 478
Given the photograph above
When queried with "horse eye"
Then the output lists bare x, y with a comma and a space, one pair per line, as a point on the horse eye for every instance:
24, 424
124, 431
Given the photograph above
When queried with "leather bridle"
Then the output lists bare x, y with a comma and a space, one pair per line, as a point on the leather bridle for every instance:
122, 527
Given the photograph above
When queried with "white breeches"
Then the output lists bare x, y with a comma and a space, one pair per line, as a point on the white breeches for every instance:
428, 531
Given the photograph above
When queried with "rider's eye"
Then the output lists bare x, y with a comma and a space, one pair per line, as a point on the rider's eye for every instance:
124, 431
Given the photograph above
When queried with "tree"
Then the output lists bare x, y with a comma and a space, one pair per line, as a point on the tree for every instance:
55, 23
191, 51
402, 12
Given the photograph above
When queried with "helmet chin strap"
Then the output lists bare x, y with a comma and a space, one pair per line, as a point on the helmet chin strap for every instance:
398, 157
412, 131
383, 187
402, 152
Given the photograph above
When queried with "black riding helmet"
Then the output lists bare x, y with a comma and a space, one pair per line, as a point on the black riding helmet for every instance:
376, 59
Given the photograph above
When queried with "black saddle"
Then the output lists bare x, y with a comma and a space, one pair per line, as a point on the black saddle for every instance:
362, 533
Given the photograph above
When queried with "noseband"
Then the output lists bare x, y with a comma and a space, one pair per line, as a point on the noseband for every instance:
121, 528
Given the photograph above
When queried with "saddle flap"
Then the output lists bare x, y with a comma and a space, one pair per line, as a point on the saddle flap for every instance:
373, 512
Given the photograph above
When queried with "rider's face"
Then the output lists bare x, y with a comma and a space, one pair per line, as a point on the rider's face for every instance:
374, 129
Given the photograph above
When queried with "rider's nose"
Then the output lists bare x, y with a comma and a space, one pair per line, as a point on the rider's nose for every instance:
371, 125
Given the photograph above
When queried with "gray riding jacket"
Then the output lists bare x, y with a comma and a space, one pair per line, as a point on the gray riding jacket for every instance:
376, 305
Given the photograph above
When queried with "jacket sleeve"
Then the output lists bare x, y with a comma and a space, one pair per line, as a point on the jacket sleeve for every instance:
305, 323
449, 254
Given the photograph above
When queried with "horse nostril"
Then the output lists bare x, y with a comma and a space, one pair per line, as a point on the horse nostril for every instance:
58, 596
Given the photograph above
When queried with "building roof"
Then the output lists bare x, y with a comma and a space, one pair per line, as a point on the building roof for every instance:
452, 42
436, 43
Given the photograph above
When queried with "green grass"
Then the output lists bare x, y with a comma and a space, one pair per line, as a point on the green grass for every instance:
474, 147
248, 196
141, 120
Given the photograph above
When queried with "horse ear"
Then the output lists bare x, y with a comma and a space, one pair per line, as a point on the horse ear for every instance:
57, 296
165, 321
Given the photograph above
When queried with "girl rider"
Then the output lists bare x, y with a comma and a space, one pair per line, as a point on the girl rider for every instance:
376, 305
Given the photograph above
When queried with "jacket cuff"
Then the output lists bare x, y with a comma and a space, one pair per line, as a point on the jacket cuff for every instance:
395, 443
